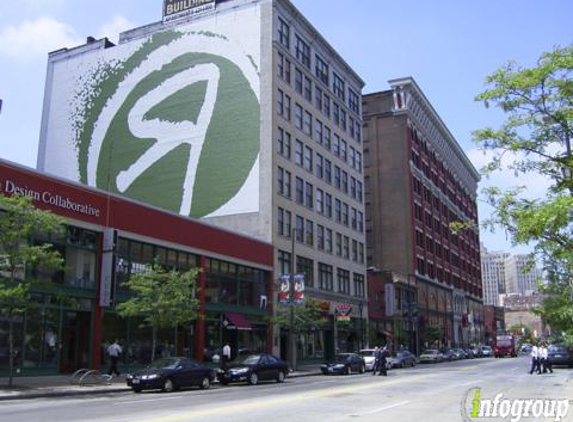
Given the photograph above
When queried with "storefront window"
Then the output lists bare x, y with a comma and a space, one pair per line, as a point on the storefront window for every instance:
41, 340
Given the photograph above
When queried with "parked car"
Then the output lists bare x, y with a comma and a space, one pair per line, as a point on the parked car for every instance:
368, 356
431, 356
559, 354
170, 374
526, 349
460, 353
475, 351
402, 359
486, 351
344, 363
255, 368
450, 355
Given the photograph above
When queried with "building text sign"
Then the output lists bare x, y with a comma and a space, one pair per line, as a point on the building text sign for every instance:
175, 9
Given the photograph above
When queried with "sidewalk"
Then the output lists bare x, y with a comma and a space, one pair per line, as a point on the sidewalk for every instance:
59, 385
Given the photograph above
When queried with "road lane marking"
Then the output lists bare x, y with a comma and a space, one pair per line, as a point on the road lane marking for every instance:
380, 409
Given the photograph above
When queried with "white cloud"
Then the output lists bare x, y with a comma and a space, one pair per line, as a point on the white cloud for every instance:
34, 39
112, 29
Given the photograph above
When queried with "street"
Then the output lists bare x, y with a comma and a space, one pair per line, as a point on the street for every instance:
426, 392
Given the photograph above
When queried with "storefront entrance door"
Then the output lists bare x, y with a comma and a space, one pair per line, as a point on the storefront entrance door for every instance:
76, 335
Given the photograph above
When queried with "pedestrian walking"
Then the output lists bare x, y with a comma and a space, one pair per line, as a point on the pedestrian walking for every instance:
377, 359
547, 367
226, 356
114, 351
385, 354
535, 360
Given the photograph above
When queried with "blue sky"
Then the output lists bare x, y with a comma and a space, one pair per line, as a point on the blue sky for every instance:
448, 46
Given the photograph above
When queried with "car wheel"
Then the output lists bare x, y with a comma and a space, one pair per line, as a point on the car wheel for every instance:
168, 385
205, 383
348, 370
281, 377
136, 390
253, 379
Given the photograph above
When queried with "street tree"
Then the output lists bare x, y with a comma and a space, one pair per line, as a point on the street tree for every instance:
162, 298
20, 222
535, 141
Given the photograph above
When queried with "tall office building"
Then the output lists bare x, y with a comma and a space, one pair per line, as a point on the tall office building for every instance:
237, 112
418, 181
493, 275
522, 275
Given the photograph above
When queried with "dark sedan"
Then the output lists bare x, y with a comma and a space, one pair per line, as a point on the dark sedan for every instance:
559, 354
402, 359
170, 374
255, 368
344, 363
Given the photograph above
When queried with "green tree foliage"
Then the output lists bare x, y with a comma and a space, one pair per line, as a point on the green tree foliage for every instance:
306, 318
20, 220
535, 140
163, 298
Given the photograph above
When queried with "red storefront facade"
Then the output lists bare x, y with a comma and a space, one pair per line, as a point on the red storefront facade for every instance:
236, 276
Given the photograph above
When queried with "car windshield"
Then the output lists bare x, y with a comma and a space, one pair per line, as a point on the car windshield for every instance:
165, 363
250, 360
367, 353
560, 349
340, 358
430, 352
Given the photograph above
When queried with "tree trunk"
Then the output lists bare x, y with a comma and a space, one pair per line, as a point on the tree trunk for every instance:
11, 349
153, 338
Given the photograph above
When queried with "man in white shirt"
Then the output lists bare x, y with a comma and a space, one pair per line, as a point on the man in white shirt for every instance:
114, 351
535, 359
226, 355
544, 359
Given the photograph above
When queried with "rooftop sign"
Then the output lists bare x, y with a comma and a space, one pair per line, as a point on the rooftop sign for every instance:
175, 9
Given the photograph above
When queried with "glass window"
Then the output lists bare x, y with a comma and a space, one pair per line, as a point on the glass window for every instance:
302, 52
320, 237
328, 240
309, 233
319, 169
318, 98
353, 101
298, 152
343, 281
298, 80
338, 87
325, 276
299, 228
308, 123
284, 143
321, 69
307, 88
326, 138
319, 201
309, 195
298, 116
328, 205
327, 171
318, 131
299, 190
305, 266
284, 33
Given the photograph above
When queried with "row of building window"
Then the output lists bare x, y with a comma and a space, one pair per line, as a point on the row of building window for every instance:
307, 195
322, 167
326, 240
325, 275
321, 68
303, 85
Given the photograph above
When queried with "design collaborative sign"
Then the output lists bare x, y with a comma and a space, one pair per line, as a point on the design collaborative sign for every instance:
175, 9
10, 187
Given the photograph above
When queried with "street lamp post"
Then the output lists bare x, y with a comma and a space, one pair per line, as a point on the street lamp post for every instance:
360, 308
291, 337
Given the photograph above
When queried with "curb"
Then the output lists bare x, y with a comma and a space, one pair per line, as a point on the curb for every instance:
57, 392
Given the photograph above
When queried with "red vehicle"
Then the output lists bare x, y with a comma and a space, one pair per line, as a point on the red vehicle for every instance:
505, 346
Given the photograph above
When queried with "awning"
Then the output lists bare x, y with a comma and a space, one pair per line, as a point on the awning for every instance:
235, 321
387, 333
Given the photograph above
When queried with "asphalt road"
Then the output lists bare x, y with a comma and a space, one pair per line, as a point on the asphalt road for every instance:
427, 393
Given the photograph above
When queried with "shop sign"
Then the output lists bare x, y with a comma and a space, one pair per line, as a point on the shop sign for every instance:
176, 9
10, 187
342, 311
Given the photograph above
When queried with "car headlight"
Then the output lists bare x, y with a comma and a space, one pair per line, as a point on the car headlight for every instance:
240, 371
149, 377
340, 365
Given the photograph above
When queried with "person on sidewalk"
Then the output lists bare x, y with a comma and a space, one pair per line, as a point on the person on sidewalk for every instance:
114, 351
385, 354
545, 359
226, 356
377, 358
535, 357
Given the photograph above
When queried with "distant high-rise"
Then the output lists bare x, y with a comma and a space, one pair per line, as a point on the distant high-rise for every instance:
522, 275
493, 275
